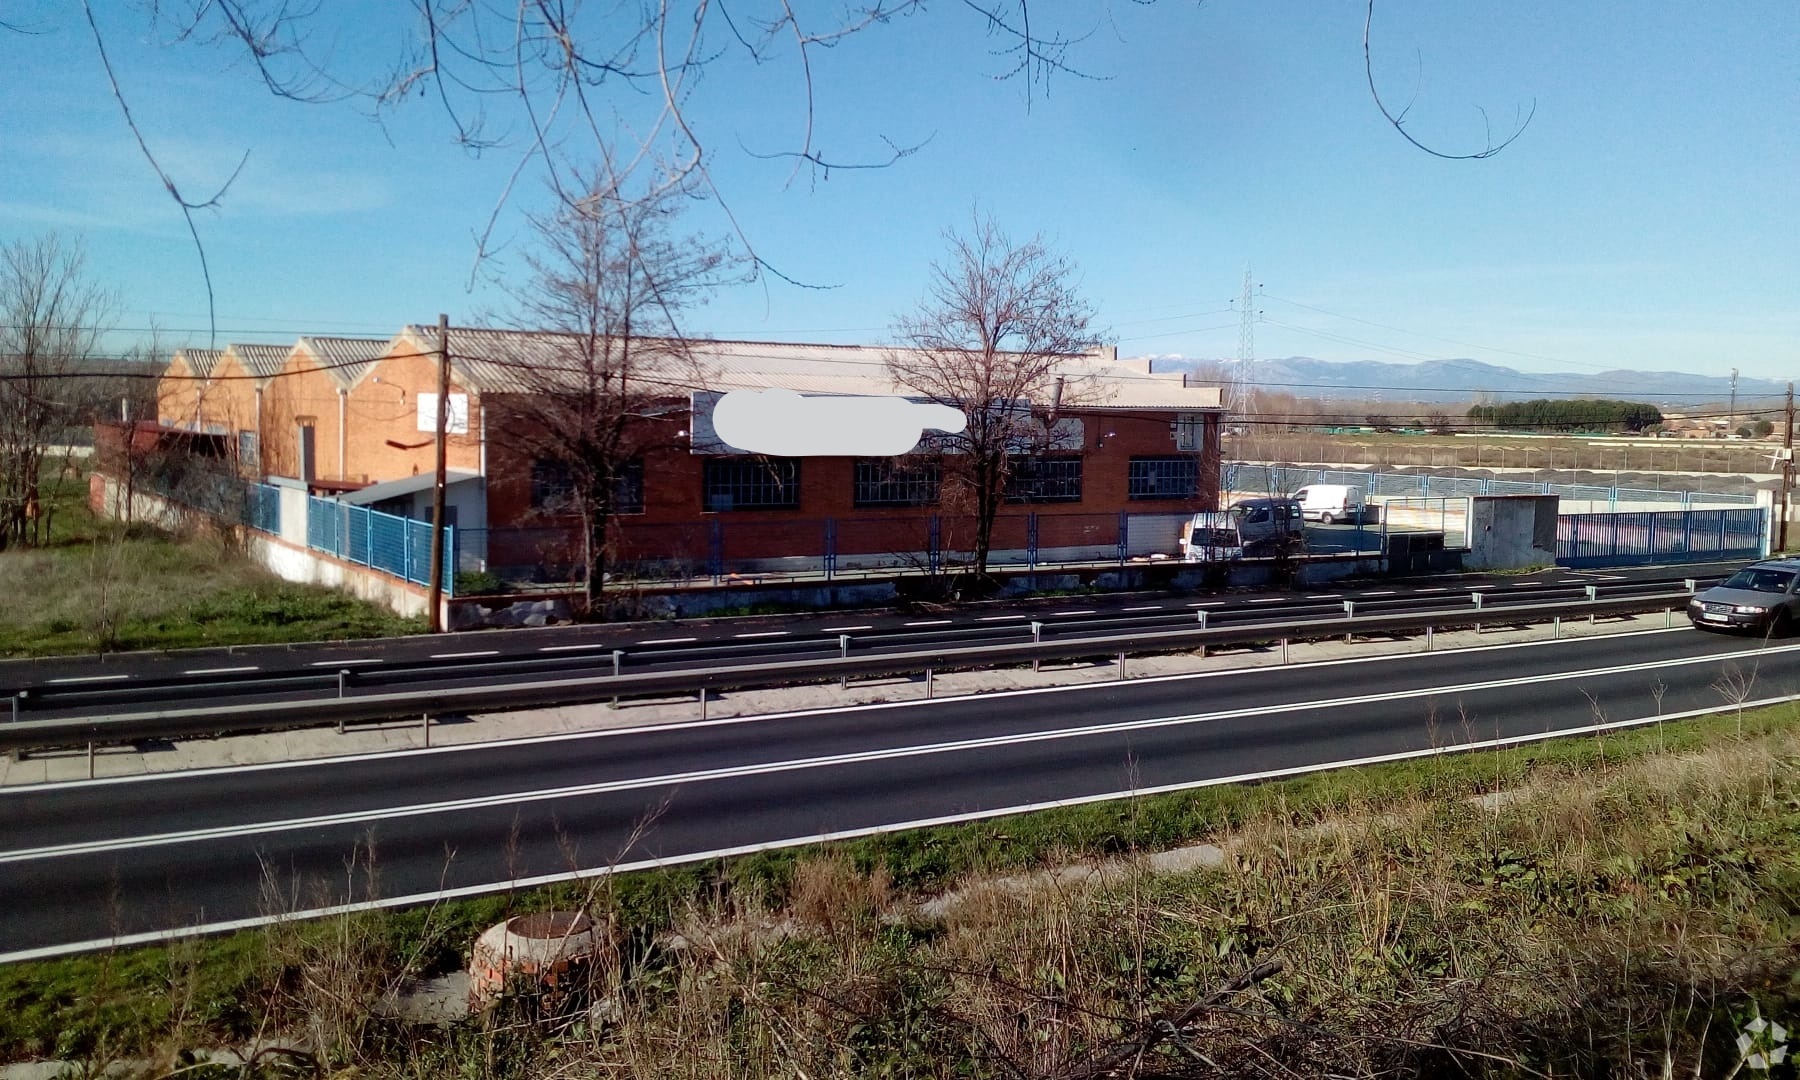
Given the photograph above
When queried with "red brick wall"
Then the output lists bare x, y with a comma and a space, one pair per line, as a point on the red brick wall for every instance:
384, 440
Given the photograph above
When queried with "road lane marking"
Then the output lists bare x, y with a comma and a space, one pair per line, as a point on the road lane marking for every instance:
1003, 618
571, 648
764, 633
347, 663
1378, 592
1452, 655
928, 622
90, 678
1326, 596
464, 655
1435, 588
466, 891
1208, 603
859, 757
668, 641
842, 629
219, 670
1270, 600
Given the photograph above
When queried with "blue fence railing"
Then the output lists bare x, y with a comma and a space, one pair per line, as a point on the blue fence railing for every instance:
262, 508
1281, 479
386, 542
1626, 539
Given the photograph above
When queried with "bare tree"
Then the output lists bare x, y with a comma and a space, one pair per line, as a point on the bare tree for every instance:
51, 316
997, 322
611, 280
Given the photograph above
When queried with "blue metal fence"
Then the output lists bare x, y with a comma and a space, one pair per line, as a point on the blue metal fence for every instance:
1278, 479
262, 508
386, 542
1628, 539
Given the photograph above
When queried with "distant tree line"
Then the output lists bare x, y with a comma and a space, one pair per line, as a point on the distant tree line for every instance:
1568, 414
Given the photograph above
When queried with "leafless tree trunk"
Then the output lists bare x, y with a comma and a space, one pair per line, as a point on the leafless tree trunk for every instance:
997, 321
50, 319
610, 281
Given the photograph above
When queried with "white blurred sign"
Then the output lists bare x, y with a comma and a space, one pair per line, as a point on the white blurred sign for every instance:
456, 419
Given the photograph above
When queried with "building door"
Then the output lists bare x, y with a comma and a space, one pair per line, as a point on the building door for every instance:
307, 450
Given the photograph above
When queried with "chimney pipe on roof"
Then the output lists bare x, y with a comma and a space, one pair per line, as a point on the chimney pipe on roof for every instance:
1055, 403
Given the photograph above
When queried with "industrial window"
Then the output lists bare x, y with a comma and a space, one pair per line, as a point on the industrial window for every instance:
752, 484
1164, 478
553, 487
1044, 480
247, 449
887, 482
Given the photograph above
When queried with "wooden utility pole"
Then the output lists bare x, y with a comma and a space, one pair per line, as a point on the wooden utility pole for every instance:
1787, 468
436, 595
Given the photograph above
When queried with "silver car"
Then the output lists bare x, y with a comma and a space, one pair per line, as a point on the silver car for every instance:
1760, 597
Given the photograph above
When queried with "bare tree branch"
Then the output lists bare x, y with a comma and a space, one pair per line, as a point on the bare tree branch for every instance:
1399, 121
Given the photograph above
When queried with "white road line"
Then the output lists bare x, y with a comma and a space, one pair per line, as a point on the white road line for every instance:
572, 648
1082, 611
1435, 588
928, 622
1473, 587
91, 678
1523, 584
464, 655
122, 941
842, 629
668, 641
1004, 618
833, 710
1379, 592
346, 663
1270, 600
1146, 607
860, 757
1208, 603
218, 670
764, 633
1326, 596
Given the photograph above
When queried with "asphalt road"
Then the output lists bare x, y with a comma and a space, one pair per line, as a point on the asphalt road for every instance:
86, 686
131, 859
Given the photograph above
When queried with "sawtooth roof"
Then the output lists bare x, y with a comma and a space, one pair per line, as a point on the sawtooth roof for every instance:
261, 361
509, 361
346, 359
199, 361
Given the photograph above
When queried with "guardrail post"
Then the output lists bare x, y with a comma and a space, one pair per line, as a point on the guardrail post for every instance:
1690, 585
844, 654
18, 702
1593, 595
1557, 626
90, 759
343, 678
1284, 650
703, 703
1349, 613
1121, 667
1430, 640
425, 726
618, 657
1037, 637
927, 684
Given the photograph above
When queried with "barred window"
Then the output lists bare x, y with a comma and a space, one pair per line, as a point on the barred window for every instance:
1164, 478
1044, 480
247, 449
887, 482
553, 487
752, 484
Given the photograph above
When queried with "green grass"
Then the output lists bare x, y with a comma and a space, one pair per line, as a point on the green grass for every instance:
103, 586
221, 988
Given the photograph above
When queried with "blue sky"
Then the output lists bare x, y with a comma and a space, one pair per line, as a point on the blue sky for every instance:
1646, 218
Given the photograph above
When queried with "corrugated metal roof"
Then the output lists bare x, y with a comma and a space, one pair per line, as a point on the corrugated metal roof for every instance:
261, 361
199, 361
406, 485
346, 359
512, 361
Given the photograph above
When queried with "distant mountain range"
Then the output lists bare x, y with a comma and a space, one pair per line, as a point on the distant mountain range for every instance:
1461, 380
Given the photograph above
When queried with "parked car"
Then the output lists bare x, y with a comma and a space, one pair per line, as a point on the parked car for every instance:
1761, 597
1251, 527
1331, 503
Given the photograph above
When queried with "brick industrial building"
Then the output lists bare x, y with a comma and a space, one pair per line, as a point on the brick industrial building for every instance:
1130, 452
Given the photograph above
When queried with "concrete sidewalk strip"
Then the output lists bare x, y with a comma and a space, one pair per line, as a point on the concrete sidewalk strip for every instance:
325, 742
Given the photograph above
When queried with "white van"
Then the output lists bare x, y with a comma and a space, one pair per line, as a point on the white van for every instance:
1331, 503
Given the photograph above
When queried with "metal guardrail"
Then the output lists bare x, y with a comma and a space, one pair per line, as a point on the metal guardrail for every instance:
206, 720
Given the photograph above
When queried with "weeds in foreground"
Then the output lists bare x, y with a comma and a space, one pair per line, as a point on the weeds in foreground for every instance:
1603, 920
